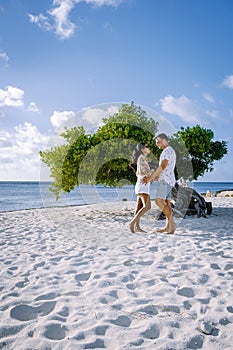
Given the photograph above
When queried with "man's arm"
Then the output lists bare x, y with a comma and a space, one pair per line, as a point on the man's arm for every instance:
156, 173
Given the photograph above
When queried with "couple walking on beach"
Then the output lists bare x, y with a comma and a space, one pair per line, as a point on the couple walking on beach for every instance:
165, 176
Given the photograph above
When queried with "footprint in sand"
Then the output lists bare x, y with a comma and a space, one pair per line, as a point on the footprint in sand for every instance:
22, 284
55, 332
215, 266
82, 277
230, 309
97, 344
26, 312
228, 267
149, 311
186, 292
152, 332
49, 296
64, 312
8, 331
224, 321
129, 262
101, 330
122, 321
195, 342
168, 258
131, 286
136, 343
154, 249
203, 279
38, 265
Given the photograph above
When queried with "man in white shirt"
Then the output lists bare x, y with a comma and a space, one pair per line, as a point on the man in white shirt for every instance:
165, 176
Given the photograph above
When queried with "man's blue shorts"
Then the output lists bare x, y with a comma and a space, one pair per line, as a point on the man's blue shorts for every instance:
164, 190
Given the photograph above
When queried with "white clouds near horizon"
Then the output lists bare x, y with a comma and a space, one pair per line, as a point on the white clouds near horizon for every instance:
19, 152
58, 119
182, 107
90, 116
95, 115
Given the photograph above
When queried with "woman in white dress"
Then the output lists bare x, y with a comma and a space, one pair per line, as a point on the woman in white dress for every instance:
142, 190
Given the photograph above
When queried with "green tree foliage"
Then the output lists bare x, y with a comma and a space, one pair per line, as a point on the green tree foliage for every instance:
201, 148
104, 157
56, 156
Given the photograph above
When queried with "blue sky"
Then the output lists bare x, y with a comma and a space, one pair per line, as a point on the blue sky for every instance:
68, 61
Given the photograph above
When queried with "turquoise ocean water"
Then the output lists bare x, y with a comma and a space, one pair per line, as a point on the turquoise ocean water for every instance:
30, 195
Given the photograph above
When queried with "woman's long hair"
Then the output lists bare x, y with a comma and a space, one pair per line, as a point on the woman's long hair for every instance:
136, 153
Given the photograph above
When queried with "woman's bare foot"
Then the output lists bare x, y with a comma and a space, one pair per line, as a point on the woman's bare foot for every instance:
139, 229
131, 226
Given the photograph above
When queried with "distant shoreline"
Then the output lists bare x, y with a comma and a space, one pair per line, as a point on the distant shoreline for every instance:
23, 195
225, 194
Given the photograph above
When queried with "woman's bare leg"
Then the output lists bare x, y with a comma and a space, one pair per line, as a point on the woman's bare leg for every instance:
144, 199
139, 206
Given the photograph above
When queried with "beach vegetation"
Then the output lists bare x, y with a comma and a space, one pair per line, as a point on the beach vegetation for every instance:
104, 156
202, 148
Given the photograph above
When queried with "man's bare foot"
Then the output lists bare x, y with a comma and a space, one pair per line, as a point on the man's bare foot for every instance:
131, 226
172, 229
163, 229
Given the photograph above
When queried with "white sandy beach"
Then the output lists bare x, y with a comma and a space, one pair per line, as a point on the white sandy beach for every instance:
76, 278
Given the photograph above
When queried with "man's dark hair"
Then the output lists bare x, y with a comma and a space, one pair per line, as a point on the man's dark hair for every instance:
162, 136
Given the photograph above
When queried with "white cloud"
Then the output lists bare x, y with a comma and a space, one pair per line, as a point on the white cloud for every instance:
4, 58
89, 117
42, 21
33, 107
11, 97
14, 97
64, 27
108, 27
19, 152
58, 119
208, 98
228, 82
213, 114
58, 17
28, 132
113, 3
183, 107
94, 116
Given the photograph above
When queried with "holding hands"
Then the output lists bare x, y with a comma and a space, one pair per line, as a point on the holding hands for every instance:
151, 178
